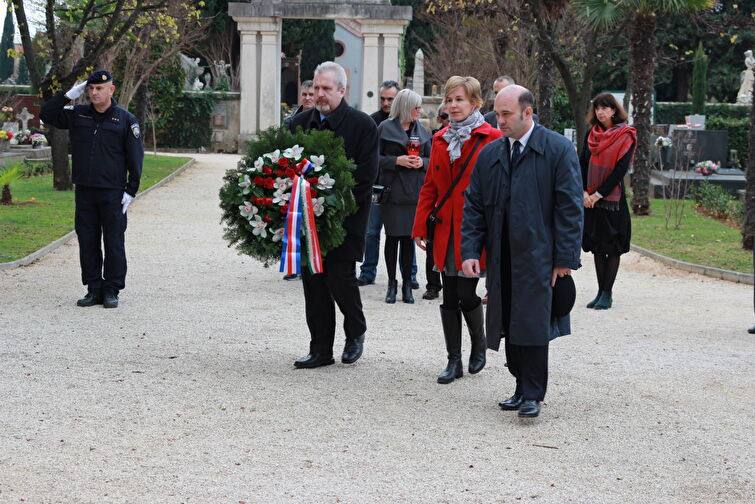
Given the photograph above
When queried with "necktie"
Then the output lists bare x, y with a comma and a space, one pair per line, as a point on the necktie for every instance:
324, 124
516, 152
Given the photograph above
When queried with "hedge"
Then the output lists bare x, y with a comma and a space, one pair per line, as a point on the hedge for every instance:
674, 112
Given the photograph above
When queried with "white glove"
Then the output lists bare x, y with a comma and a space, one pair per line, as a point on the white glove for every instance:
76, 91
126, 201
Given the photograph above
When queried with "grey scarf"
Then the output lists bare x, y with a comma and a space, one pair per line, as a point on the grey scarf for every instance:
459, 132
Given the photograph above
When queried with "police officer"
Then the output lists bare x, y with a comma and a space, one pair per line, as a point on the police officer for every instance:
107, 157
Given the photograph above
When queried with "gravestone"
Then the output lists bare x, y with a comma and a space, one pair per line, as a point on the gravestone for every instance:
705, 145
29, 102
24, 117
418, 80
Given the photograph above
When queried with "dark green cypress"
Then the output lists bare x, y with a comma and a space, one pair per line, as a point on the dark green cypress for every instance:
699, 80
6, 42
23, 72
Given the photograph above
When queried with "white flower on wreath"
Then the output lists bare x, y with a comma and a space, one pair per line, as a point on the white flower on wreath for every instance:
324, 182
318, 206
293, 152
258, 164
248, 210
280, 197
259, 227
278, 234
246, 184
283, 183
274, 156
317, 161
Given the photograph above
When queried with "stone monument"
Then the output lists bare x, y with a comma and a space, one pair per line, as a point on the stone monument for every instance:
745, 89
418, 80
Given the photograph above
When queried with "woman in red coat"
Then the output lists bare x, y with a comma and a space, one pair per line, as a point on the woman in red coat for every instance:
453, 147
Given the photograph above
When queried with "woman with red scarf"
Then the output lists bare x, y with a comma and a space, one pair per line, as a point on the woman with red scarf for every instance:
605, 158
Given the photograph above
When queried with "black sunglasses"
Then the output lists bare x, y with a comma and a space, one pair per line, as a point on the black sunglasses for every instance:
443, 116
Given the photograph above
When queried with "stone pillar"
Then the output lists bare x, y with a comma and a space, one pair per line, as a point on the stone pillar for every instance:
391, 48
248, 84
259, 74
270, 75
370, 75
418, 81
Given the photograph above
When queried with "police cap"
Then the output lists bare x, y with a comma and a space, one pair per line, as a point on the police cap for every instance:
99, 77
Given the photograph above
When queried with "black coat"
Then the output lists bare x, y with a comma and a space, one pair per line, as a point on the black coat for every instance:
405, 183
106, 149
542, 196
360, 140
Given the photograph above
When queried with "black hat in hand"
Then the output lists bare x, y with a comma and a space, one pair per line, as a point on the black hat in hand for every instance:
564, 295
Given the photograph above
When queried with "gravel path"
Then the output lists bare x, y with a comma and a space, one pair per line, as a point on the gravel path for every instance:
187, 394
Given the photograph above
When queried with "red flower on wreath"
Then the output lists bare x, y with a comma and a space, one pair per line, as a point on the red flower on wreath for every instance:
268, 202
283, 162
280, 173
266, 218
313, 192
267, 170
290, 173
313, 180
259, 181
269, 183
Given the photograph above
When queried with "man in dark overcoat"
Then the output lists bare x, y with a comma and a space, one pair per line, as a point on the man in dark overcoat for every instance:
524, 207
338, 283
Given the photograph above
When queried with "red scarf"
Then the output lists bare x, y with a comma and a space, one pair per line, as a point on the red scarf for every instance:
606, 148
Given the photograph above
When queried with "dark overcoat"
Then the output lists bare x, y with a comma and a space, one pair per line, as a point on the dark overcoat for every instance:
360, 141
402, 184
542, 195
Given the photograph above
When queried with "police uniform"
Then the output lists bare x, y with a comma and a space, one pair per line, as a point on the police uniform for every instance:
107, 154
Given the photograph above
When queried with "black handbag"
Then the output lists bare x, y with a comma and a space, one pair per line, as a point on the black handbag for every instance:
433, 218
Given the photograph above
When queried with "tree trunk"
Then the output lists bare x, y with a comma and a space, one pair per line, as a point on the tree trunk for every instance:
545, 87
748, 229
140, 105
6, 198
61, 170
642, 61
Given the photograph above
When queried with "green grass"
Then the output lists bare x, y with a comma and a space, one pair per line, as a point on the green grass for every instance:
40, 215
699, 240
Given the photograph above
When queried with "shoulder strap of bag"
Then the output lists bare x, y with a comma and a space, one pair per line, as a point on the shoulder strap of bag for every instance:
458, 177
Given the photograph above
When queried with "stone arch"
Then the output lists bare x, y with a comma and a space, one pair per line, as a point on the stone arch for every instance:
259, 24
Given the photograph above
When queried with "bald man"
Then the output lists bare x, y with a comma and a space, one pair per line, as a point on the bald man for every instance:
524, 208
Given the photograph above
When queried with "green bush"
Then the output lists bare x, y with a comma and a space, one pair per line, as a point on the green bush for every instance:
738, 129
189, 123
713, 198
34, 168
735, 210
674, 112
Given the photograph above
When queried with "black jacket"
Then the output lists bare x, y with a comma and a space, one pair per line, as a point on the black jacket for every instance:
379, 116
360, 140
405, 183
105, 147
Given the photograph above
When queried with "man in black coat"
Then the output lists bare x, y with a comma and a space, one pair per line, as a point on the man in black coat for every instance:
338, 281
524, 207
107, 155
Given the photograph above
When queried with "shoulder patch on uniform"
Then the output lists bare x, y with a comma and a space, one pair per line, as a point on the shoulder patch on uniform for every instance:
135, 130
68, 107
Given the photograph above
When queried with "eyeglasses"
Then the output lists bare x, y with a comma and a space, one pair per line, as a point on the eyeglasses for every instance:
443, 116
418, 108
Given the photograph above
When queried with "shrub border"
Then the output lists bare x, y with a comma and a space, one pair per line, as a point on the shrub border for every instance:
721, 274
24, 261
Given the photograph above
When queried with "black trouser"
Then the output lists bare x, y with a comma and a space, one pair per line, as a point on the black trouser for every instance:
336, 285
433, 277
99, 218
390, 253
528, 364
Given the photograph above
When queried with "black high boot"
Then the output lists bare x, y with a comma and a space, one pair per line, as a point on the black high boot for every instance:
451, 320
476, 327
406, 292
390, 295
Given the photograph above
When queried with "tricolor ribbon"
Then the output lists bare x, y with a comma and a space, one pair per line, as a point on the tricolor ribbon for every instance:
300, 220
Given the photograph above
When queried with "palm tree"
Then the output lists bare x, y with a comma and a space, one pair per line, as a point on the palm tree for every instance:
642, 62
8, 175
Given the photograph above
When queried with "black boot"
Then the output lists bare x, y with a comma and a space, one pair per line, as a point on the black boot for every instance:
390, 295
451, 320
476, 327
406, 292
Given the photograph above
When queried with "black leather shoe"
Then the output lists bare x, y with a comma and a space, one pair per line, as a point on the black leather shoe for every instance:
92, 298
430, 294
511, 404
751, 330
290, 277
363, 280
415, 284
529, 409
313, 360
352, 350
110, 300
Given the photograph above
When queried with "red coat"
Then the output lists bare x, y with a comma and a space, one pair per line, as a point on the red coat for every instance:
440, 175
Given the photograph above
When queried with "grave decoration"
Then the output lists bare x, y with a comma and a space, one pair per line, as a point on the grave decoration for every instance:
288, 197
